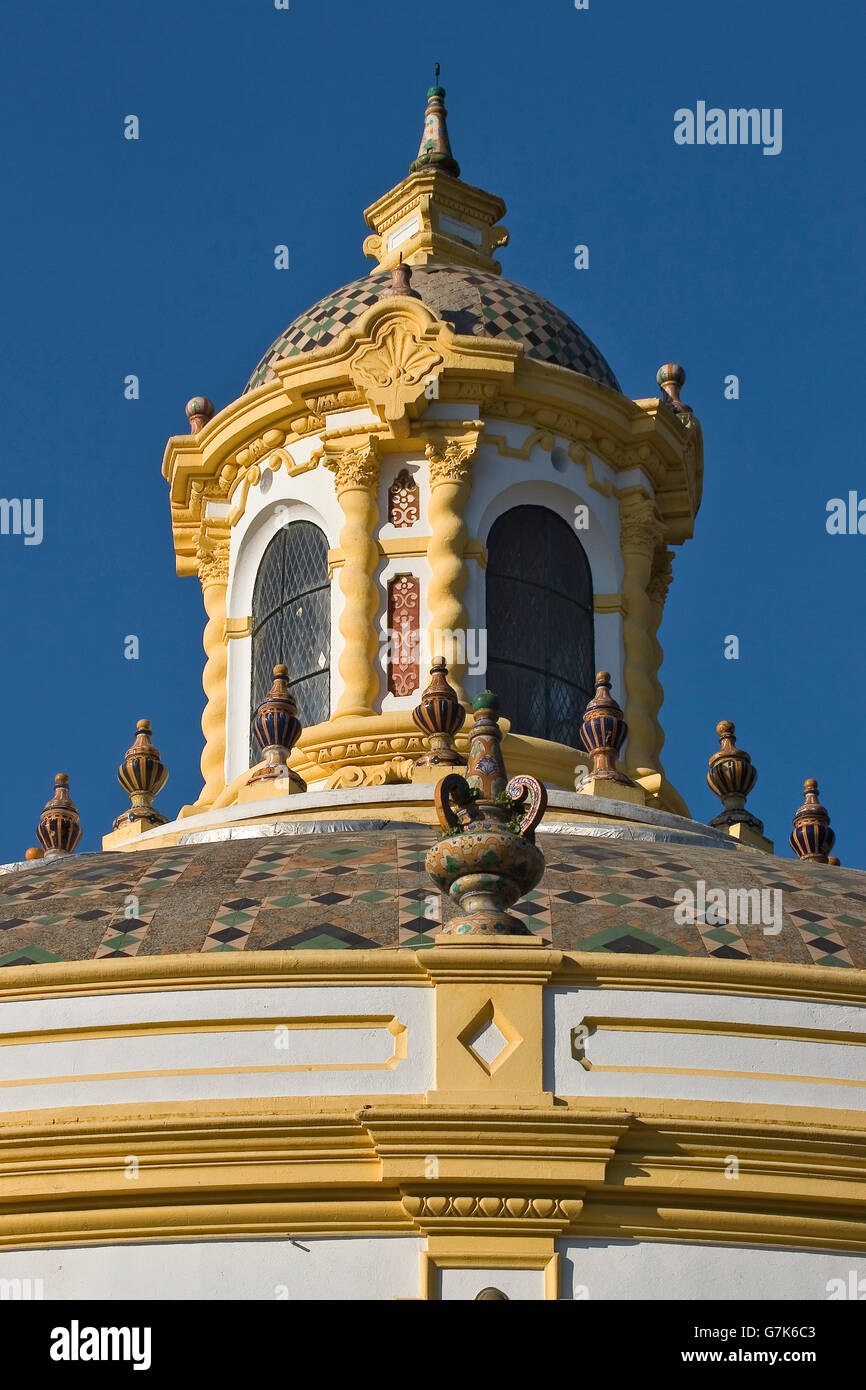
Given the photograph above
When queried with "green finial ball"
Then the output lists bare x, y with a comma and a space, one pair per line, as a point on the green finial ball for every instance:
486, 700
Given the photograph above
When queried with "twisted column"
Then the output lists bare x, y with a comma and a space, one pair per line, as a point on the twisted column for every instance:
640, 536
450, 484
213, 571
356, 479
660, 580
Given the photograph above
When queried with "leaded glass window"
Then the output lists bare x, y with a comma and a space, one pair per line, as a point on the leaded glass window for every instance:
291, 621
540, 640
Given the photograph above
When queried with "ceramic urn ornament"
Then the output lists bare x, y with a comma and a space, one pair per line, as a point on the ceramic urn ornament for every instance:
488, 858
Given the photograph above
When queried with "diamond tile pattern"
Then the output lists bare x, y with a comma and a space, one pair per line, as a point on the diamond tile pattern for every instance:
475, 302
368, 890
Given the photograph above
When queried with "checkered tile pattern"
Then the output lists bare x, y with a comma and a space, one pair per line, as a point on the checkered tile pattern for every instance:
475, 302
368, 890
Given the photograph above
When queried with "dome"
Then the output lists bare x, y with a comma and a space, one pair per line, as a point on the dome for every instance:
366, 888
475, 301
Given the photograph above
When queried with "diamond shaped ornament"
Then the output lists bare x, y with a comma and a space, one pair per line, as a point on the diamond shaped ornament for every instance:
490, 1038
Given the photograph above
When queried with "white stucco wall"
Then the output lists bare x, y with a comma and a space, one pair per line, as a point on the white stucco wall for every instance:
657, 1270
346, 1049
386, 1268
377, 1268
717, 1062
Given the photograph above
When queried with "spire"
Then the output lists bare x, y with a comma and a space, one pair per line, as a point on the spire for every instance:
432, 216
435, 150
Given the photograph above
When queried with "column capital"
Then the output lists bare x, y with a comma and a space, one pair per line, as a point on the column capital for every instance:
212, 554
451, 456
641, 529
354, 468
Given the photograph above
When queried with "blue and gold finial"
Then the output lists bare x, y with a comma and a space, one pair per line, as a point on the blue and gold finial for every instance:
603, 733
439, 715
435, 150
142, 774
276, 729
59, 829
812, 836
731, 777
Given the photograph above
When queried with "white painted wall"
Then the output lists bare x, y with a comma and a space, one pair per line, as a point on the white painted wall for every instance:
312, 1268
655, 1270
385, 1268
225, 1063
691, 1065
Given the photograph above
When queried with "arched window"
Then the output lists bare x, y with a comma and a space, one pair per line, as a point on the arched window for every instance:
540, 641
292, 621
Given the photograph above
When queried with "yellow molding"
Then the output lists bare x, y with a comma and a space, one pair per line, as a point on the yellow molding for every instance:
403, 547
144, 1028
421, 968
717, 1072
609, 603
484, 1253
606, 1023
773, 978
212, 970
332, 1168
238, 627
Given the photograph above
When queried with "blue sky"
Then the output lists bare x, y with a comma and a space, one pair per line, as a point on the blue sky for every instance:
260, 127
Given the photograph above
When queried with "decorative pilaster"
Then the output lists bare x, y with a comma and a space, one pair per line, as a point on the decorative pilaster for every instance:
641, 536
356, 479
450, 485
213, 571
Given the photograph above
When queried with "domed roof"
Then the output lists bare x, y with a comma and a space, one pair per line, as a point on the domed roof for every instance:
474, 301
367, 888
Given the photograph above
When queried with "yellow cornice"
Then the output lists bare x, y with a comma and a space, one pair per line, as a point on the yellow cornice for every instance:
459, 961
258, 1168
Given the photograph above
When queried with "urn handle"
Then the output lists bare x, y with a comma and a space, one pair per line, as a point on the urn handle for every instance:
453, 791
523, 790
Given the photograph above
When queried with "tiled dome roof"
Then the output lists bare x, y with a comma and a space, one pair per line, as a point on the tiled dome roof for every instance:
364, 888
474, 301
